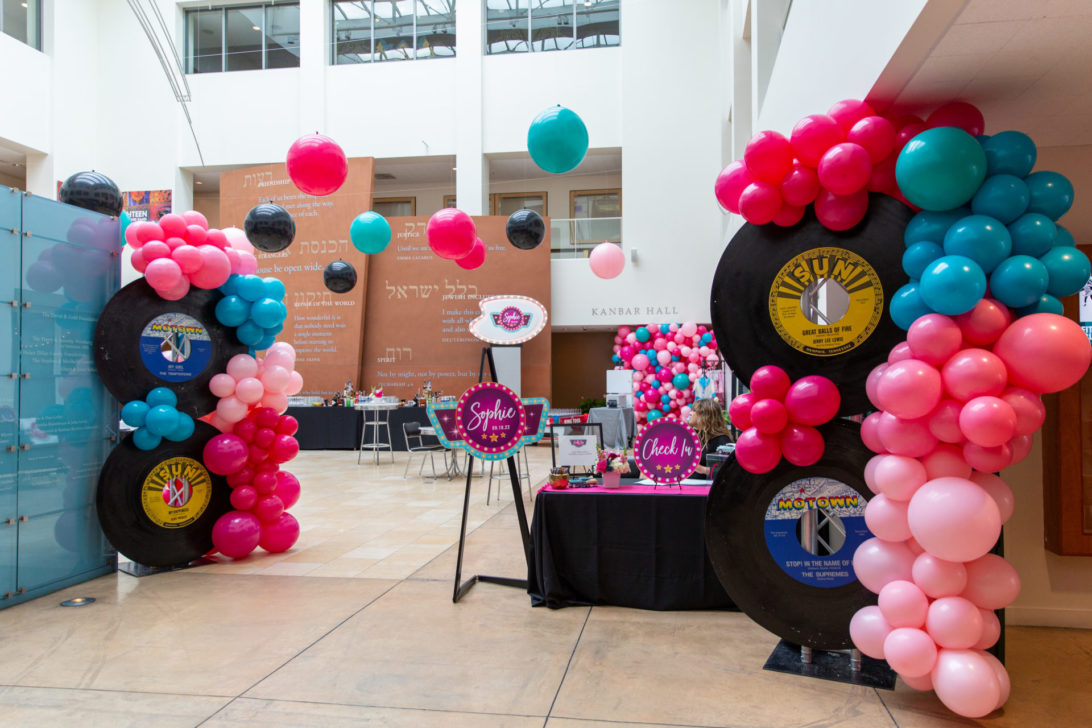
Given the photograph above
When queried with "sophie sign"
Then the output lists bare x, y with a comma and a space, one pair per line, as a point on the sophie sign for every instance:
667, 451
491, 421
507, 320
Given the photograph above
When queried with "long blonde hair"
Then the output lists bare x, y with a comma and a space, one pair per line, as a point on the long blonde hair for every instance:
707, 419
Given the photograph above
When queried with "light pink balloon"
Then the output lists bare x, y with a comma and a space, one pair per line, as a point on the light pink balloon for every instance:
872, 382
944, 421
923, 683
870, 473
988, 421
903, 604
219, 422
1029, 408
937, 577
177, 291
1001, 674
1021, 447
886, 519
992, 582
954, 622
987, 459
910, 651
900, 352
242, 366
868, 629
973, 373
275, 400
237, 239
909, 389
249, 390
870, 433
281, 358
984, 323
946, 461
991, 629
295, 383
911, 438
915, 547
162, 273
640, 362
248, 264
188, 258
966, 683
954, 519
607, 260
663, 356
231, 409
275, 378
222, 385
877, 563
934, 338
899, 477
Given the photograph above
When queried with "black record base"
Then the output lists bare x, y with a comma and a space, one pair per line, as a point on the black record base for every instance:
132, 568
830, 666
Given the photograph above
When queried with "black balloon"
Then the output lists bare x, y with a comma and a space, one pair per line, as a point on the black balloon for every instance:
339, 276
525, 229
92, 191
269, 227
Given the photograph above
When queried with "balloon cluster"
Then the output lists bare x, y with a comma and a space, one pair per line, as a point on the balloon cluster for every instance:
250, 382
667, 359
181, 250
452, 235
261, 493
255, 307
155, 418
778, 418
959, 400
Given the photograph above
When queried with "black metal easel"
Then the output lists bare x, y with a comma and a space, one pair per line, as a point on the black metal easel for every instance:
462, 587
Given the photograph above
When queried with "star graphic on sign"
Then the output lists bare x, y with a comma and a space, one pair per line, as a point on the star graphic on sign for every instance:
668, 468
494, 437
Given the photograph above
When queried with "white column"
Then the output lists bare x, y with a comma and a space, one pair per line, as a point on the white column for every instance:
472, 176
314, 58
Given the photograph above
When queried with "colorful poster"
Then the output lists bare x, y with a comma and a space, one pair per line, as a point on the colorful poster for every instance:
491, 421
143, 205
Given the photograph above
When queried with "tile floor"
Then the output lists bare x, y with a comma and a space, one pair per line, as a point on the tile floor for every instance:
355, 627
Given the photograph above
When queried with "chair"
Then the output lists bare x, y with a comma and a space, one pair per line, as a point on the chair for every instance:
412, 431
502, 477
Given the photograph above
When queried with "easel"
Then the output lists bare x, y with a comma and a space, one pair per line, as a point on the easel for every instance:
461, 587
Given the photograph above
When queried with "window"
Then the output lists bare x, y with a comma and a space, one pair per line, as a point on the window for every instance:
243, 38
395, 206
449, 201
597, 215
505, 203
519, 26
21, 19
392, 30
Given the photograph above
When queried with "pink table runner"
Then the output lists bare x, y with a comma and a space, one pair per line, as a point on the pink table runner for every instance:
633, 488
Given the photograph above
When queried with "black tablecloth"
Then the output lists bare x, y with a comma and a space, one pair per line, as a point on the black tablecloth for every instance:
338, 428
627, 550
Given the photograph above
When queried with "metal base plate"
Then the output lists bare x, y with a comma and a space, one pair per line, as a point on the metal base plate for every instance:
132, 568
830, 666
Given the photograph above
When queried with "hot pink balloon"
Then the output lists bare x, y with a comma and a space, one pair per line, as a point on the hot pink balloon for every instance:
188, 258
984, 323
243, 497
739, 411
934, 338
769, 382
876, 135
873, 381
281, 535
451, 233
868, 629
215, 268
954, 518
883, 176
959, 114
974, 373
802, 445
992, 582
900, 352
800, 186
848, 112
909, 389
999, 490
789, 215
757, 452
813, 136
841, 212
1029, 409
768, 156
235, 534
944, 421
877, 563
987, 459
317, 165
176, 292
905, 437
965, 682
224, 454
946, 461
607, 260
954, 622
937, 577
475, 258
988, 421
768, 416
288, 488
886, 519
1044, 352
910, 651
812, 400
844, 168
730, 184
759, 203
903, 604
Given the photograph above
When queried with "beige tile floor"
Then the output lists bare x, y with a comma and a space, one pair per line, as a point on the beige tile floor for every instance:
355, 627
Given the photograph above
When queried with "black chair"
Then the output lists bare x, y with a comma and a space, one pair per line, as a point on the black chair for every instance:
412, 431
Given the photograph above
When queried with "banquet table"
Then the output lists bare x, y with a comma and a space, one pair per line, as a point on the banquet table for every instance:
338, 428
634, 546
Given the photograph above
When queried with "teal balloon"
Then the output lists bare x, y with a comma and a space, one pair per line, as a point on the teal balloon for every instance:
1002, 196
250, 287
642, 334
249, 333
133, 413
653, 414
1063, 238
182, 430
161, 420
1051, 193
1009, 152
681, 381
370, 232
557, 140
230, 287
161, 395
232, 310
265, 342
144, 439
1019, 281
981, 238
941, 168
907, 306
1046, 304
266, 312
1068, 270
274, 330
274, 288
1032, 234
930, 227
952, 285
125, 221
918, 256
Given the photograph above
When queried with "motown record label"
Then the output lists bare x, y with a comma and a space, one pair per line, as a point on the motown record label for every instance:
175, 347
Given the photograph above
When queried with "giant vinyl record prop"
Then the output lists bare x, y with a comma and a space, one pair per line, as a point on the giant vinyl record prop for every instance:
756, 527
157, 507
143, 341
812, 300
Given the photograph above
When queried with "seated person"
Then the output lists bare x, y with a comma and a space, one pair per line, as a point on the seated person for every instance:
707, 419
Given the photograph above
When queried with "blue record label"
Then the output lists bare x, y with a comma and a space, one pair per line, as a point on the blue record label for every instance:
838, 513
175, 347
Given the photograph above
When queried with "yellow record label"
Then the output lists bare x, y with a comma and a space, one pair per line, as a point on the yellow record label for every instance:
176, 492
826, 301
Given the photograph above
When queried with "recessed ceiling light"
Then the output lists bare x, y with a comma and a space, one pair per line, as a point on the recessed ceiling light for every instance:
452, 169
198, 182
255, 27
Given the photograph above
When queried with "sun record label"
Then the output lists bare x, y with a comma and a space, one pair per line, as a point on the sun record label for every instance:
176, 492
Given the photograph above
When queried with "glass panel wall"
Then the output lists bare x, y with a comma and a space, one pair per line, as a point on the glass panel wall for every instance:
243, 38
282, 36
519, 26
392, 30
21, 20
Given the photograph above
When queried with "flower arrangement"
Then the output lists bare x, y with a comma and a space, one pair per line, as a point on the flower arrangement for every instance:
612, 460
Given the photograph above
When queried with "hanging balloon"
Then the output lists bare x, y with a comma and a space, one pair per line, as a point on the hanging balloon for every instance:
451, 233
269, 227
607, 260
525, 229
474, 258
92, 191
339, 276
557, 140
317, 165
370, 232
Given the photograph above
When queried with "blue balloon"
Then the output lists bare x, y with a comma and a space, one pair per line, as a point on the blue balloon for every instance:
641, 334
907, 306
653, 414
265, 342
250, 287
274, 288
274, 330
664, 328
952, 285
161, 420
1045, 304
1062, 237
265, 312
981, 238
615, 359
133, 413
183, 430
1051, 193
1068, 269
1019, 281
144, 439
918, 256
557, 140
125, 221
941, 168
675, 357
370, 232
1004, 197
681, 381
655, 384
706, 338
665, 398
929, 226
161, 395
230, 287
232, 310
1032, 234
1009, 152
249, 333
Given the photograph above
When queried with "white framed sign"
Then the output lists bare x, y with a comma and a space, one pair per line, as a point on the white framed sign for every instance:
508, 319
576, 450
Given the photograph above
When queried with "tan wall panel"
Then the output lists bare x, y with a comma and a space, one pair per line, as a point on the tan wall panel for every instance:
581, 360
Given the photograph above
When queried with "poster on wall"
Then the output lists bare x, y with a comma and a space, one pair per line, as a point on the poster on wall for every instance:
1085, 304
420, 307
143, 205
325, 328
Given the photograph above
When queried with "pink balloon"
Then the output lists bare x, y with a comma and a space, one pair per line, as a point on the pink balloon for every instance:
626, 352
999, 490
966, 683
937, 577
802, 445
1021, 447
770, 382
944, 421
275, 378
663, 357
241, 366
909, 389
910, 651
640, 362
218, 422
759, 203
243, 497
215, 268
316, 165
987, 459
177, 291
883, 176
172, 225
903, 604
870, 473
873, 381
660, 344
288, 488
868, 629
789, 215
934, 338
959, 114
1029, 409
276, 401
224, 454
188, 258
739, 411
235, 534
222, 385
451, 233
905, 437
845, 168
162, 273
813, 136
730, 184
992, 582
899, 477
268, 508
193, 217
954, 622
607, 260
973, 373
991, 630
876, 135
281, 535
174, 243
1044, 352
154, 250
137, 259
812, 400
900, 352
848, 112
231, 409
768, 156
219, 238
800, 186
878, 563
1001, 674
841, 212
870, 433
988, 421
249, 390
955, 519
278, 358
886, 519
475, 258
757, 452
768, 416
248, 264
984, 323
147, 231
923, 683
946, 461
